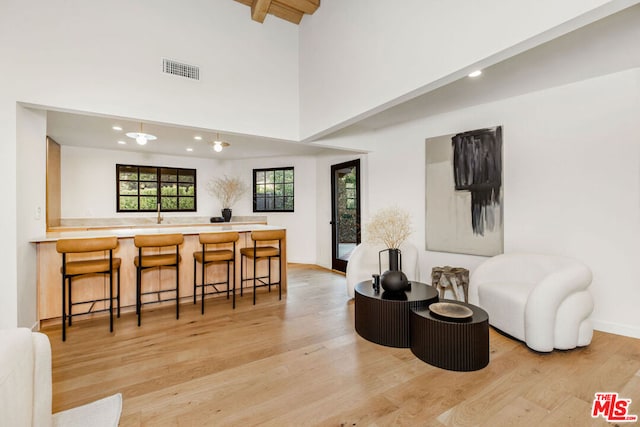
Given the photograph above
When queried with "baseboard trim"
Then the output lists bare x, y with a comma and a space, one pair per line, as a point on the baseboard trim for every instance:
616, 328
314, 266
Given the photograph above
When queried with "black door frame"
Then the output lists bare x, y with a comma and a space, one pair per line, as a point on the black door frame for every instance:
336, 263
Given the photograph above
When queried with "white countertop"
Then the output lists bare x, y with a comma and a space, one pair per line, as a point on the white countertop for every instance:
167, 229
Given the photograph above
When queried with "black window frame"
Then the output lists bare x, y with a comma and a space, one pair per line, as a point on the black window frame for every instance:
186, 172
351, 197
273, 197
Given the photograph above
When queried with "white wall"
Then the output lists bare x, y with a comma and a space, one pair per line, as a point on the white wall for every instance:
8, 217
30, 206
89, 189
358, 55
300, 225
571, 182
105, 57
94, 197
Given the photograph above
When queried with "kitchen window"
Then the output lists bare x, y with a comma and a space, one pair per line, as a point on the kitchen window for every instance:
273, 190
143, 188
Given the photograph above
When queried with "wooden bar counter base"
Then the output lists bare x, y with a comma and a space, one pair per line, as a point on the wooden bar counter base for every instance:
94, 287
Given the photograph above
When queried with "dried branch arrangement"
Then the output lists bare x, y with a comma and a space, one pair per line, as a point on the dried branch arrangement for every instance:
227, 190
390, 226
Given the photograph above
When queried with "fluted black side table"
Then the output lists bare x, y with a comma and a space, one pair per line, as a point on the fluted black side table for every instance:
384, 318
449, 344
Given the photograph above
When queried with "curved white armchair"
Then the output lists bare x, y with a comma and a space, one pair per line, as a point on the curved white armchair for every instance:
363, 262
25, 387
540, 299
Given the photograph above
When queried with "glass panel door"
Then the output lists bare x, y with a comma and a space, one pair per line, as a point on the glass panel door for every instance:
345, 218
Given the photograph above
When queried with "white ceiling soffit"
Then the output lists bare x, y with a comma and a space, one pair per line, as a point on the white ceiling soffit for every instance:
97, 132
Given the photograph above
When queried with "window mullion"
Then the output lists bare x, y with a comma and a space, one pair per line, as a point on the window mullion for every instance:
158, 188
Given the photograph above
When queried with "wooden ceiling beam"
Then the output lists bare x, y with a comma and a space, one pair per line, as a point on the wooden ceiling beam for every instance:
285, 12
289, 10
259, 9
306, 6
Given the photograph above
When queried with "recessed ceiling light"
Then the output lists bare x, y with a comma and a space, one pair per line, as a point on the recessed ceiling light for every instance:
122, 143
475, 73
197, 138
189, 149
116, 128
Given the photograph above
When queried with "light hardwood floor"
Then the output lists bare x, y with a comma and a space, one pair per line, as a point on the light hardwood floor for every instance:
299, 362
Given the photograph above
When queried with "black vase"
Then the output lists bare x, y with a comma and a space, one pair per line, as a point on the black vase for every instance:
226, 214
394, 280
394, 259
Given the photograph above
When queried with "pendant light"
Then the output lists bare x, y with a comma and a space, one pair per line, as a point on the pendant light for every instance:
141, 137
218, 144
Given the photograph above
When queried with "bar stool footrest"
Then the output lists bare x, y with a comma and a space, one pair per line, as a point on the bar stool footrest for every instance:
157, 293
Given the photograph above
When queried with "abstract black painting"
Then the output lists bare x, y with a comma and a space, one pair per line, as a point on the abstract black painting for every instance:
464, 192
477, 168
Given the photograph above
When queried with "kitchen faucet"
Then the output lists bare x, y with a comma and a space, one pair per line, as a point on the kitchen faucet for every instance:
159, 216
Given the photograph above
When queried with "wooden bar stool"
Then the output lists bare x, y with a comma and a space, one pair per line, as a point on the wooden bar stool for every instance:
158, 259
261, 252
214, 256
82, 267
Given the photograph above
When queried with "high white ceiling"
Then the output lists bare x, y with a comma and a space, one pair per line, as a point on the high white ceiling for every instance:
579, 55
603, 47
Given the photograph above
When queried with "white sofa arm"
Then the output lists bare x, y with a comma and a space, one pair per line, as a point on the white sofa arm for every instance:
25, 387
544, 302
41, 380
16, 377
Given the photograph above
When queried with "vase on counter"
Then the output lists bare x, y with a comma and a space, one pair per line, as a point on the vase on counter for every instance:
226, 214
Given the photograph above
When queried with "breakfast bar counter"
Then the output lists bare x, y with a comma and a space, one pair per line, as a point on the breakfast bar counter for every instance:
129, 231
49, 277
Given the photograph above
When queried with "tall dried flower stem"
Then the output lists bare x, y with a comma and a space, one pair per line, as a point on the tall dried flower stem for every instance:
227, 190
391, 226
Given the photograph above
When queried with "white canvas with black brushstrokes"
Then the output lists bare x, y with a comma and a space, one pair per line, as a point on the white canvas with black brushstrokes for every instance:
464, 192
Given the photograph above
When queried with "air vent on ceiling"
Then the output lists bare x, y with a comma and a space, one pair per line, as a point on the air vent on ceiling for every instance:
176, 68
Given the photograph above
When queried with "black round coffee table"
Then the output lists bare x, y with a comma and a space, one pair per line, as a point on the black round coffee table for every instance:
384, 318
456, 345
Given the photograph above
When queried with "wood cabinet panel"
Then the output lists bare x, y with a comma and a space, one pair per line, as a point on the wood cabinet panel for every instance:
53, 184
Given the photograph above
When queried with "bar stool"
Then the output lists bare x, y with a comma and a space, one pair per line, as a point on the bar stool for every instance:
148, 242
215, 256
82, 267
261, 252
